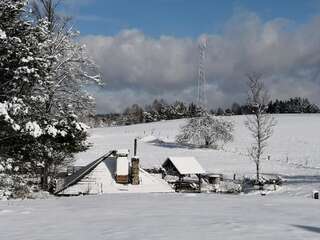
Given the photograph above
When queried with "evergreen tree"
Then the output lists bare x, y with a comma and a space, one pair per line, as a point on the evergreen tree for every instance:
42, 83
236, 109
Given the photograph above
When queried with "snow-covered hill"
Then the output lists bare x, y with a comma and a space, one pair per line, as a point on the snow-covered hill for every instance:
294, 148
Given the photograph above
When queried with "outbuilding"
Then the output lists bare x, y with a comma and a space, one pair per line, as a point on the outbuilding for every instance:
182, 167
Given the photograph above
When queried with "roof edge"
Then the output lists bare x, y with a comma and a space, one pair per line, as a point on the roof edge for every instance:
86, 170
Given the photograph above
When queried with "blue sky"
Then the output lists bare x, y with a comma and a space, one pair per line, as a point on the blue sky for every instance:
180, 18
148, 49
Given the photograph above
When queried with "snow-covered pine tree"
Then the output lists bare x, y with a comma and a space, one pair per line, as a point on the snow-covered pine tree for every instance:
21, 66
41, 91
70, 71
206, 131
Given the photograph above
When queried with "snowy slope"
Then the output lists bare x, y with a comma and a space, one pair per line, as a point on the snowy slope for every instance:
294, 148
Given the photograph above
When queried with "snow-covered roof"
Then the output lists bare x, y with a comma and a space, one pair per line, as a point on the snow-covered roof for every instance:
186, 165
122, 168
123, 152
74, 178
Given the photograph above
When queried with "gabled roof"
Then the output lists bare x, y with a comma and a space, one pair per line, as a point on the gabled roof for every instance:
186, 165
77, 176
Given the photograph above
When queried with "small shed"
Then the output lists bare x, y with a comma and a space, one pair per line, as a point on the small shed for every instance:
181, 167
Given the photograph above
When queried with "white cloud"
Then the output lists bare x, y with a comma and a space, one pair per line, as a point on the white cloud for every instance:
139, 68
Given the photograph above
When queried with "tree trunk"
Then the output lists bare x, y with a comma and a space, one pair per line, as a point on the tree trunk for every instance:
258, 170
44, 178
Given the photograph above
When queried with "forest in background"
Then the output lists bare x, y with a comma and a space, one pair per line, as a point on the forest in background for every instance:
162, 110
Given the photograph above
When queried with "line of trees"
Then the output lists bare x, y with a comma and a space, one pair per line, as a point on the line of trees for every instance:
292, 105
161, 110
157, 111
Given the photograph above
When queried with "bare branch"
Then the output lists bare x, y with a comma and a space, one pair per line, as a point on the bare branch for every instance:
260, 124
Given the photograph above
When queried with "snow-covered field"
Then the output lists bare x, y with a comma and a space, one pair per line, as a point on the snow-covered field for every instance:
290, 213
161, 216
294, 149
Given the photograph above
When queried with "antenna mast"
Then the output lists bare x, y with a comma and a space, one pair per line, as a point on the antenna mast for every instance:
201, 83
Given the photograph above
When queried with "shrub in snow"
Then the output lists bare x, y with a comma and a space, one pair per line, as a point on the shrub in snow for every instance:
263, 180
229, 187
264, 183
13, 186
206, 131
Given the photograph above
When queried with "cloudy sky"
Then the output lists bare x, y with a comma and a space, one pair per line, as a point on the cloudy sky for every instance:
148, 49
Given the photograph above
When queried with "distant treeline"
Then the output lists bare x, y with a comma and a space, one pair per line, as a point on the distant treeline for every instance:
157, 111
292, 105
161, 110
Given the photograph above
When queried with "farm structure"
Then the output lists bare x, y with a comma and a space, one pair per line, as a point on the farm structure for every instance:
184, 168
111, 173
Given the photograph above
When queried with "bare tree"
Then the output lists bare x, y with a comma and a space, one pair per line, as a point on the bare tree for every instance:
47, 9
260, 124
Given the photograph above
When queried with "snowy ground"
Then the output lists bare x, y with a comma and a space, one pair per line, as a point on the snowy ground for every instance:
161, 216
287, 214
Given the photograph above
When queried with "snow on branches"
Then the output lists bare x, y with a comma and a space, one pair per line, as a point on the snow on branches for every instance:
43, 77
2, 35
10, 111
206, 131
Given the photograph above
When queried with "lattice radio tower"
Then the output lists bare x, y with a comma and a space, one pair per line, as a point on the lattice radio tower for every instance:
201, 82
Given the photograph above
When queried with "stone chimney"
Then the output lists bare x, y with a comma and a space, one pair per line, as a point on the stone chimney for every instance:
135, 171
